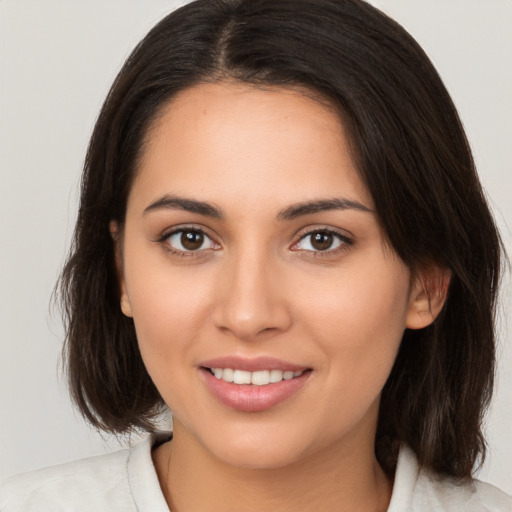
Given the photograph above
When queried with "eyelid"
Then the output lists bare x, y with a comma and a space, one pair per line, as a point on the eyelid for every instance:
168, 233
346, 240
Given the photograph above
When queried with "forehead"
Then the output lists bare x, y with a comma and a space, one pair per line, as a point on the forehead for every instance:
248, 143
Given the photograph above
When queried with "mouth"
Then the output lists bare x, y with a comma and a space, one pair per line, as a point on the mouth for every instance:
253, 385
256, 378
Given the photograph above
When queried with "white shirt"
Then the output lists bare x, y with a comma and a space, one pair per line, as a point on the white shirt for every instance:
126, 481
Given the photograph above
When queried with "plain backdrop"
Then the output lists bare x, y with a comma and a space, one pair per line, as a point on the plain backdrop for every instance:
57, 61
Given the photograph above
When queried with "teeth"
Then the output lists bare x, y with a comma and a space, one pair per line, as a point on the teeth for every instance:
227, 374
258, 378
241, 377
276, 376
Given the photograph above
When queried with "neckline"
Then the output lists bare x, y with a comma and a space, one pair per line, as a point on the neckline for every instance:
148, 496
142, 477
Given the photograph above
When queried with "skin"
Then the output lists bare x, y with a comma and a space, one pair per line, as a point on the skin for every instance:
259, 287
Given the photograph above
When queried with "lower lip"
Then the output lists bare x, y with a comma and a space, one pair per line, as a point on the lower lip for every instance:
250, 398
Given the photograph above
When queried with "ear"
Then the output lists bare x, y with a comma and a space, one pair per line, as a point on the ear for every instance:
428, 295
115, 233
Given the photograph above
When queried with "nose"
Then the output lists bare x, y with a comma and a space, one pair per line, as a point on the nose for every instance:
251, 303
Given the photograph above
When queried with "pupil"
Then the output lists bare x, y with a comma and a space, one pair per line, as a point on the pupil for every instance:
191, 240
322, 241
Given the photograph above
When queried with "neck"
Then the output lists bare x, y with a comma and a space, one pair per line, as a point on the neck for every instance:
344, 479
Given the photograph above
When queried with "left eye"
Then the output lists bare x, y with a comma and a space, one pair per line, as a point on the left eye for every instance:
320, 241
188, 240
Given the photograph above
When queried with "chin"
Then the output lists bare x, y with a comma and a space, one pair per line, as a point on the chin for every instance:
263, 446
264, 457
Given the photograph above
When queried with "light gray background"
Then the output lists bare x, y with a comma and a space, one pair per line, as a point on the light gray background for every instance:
57, 61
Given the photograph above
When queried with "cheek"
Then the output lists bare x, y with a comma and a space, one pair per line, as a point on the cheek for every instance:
359, 320
167, 326
361, 303
169, 307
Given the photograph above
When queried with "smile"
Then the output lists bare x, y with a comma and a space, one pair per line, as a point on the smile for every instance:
257, 378
253, 385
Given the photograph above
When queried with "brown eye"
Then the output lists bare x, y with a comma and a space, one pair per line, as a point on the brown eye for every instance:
189, 240
321, 241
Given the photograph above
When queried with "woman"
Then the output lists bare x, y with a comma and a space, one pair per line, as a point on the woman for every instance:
281, 238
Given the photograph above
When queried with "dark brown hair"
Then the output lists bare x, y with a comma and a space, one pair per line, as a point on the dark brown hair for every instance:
411, 153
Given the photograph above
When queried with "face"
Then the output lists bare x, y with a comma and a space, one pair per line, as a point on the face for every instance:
267, 304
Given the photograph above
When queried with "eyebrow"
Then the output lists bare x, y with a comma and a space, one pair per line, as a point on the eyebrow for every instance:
294, 211
189, 205
321, 205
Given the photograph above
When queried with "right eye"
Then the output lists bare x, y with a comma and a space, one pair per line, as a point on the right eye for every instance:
189, 240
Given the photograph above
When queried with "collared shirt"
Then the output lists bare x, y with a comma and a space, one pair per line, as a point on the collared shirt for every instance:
126, 481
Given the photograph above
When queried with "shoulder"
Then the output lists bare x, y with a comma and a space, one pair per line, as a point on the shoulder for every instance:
105, 482
449, 495
81, 485
419, 490
492, 498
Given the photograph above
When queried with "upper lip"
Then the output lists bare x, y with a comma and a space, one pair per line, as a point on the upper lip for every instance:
252, 364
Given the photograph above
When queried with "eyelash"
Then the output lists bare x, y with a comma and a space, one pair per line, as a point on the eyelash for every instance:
345, 242
164, 240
